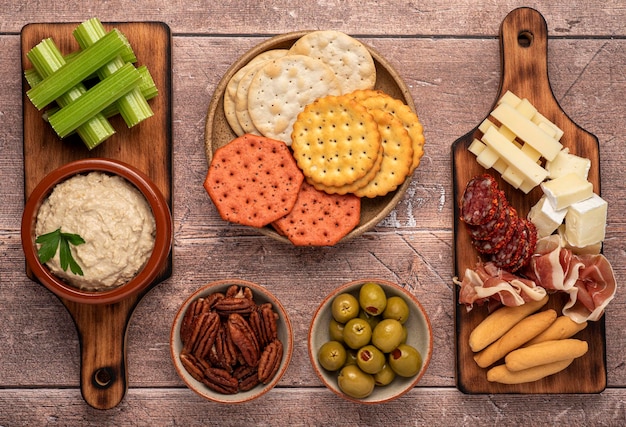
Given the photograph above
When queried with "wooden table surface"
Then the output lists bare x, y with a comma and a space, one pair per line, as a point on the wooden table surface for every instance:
448, 55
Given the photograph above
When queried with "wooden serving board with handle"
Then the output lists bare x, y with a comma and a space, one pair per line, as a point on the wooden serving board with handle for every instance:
524, 67
148, 147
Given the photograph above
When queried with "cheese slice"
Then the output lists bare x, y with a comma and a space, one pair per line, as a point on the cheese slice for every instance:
531, 171
527, 131
545, 217
585, 222
566, 190
542, 121
565, 163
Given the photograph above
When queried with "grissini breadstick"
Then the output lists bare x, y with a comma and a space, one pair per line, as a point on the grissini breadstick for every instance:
563, 327
501, 374
500, 321
525, 330
544, 353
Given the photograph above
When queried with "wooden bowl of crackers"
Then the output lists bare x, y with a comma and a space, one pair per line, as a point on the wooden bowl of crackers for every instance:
226, 122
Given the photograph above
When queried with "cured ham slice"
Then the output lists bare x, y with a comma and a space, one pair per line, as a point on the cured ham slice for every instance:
588, 280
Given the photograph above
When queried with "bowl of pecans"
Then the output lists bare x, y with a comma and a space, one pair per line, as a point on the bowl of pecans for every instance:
231, 341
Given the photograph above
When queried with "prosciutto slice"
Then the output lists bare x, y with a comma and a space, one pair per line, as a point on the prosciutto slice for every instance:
588, 280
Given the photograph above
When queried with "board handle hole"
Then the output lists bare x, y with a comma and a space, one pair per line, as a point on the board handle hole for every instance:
103, 377
525, 38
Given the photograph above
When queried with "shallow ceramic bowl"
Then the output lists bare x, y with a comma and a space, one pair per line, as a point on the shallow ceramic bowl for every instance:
285, 334
163, 239
419, 336
218, 133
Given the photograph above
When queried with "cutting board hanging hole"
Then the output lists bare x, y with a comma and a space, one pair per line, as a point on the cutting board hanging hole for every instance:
525, 38
103, 378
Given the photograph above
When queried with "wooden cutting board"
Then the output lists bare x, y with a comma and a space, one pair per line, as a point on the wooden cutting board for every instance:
524, 48
148, 147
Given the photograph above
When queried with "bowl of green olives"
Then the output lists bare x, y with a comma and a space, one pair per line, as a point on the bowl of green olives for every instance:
370, 341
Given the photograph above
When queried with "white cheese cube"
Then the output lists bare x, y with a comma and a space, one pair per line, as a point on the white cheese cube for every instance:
566, 190
527, 131
531, 171
585, 222
510, 98
565, 163
592, 249
487, 158
545, 217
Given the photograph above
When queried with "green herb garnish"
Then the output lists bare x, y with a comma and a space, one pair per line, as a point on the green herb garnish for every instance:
54, 240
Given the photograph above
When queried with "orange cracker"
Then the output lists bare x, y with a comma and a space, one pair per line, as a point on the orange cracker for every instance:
253, 180
377, 99
319, 218
335, 141
397, 156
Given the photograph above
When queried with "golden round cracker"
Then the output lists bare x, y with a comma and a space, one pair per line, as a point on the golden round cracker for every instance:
282, 88
346, 56
319, 218
335, 141
397, 156
231, 87
373, 99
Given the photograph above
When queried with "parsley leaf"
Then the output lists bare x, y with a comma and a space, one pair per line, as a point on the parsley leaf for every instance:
54, 240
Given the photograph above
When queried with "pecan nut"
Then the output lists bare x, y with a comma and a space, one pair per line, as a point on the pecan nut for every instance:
216, 379
247, 376
203, 335
270, 360
229, 304
244, 339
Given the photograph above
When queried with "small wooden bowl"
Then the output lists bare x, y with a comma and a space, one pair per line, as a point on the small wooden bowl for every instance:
419, 336
218, 132
285, 334
154, 265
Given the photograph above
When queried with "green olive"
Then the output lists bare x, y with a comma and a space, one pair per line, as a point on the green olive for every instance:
354, 382
332, 355
345, 307
405, 360
372, 298
396, 308
385, 376
335, 330
387, 335
357, 333
350, 357
372, 320
370, 359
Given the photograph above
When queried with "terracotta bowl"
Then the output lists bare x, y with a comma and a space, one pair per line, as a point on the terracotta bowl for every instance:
419, 336
285, 334
162, 246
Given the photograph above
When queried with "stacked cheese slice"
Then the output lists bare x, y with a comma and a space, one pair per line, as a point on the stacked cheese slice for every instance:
516, 146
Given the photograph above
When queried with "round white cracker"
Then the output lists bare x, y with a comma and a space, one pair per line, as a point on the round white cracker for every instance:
281, 89
241, 100
346, 56
233, 83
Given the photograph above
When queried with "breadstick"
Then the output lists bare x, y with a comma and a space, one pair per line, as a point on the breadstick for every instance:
523, 331
544, 353
500, 321
501, 374
563, 327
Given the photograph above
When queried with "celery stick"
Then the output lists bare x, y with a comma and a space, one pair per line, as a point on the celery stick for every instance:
47, 59
95, 100
146, 86
83, 65
133, 107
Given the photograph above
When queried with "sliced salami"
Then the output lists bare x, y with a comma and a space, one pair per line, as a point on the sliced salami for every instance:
480, 200
502, 235
510, 253
488, 230
529, 247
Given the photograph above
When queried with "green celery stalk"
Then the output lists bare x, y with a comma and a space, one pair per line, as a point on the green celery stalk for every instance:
146, 86
47, 59
133, 107
86, 62
103, 94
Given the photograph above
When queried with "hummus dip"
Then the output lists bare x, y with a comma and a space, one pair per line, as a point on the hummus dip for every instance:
113, 218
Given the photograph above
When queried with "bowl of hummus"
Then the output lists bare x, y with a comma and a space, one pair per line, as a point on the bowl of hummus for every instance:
96, 231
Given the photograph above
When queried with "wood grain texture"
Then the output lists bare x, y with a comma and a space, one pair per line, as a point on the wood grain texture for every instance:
449, 58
